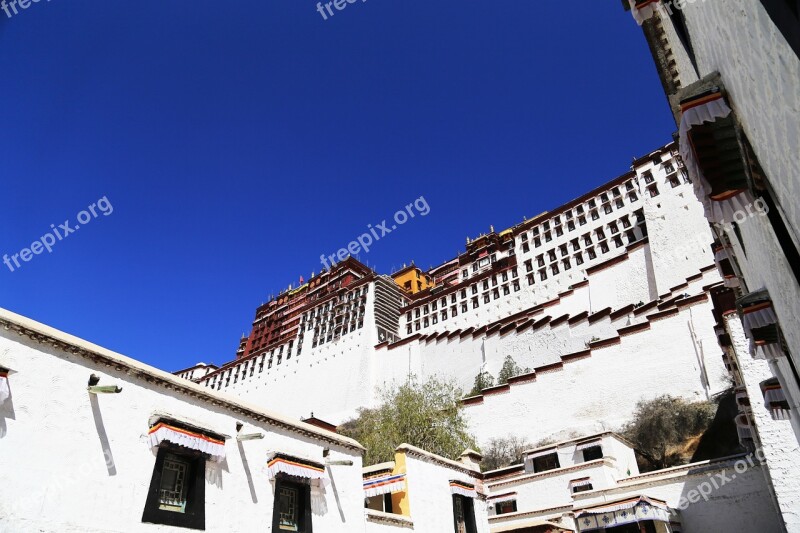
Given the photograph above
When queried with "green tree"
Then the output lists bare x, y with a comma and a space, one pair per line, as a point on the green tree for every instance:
509, 370
503, 451
426, 414
661, 426
483, 380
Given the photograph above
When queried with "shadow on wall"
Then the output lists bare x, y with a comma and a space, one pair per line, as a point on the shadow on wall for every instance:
101, 433
6, 412
721, 438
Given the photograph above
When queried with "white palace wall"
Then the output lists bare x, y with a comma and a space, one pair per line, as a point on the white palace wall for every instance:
598, 391
56, 438
761, 73
343, 365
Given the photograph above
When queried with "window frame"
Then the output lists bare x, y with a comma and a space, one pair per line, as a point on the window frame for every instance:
468, 508
194, 516
305, 520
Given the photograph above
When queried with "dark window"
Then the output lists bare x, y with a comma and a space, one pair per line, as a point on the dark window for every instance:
177, 489
505, 507
292, 507
546, 462
463, 515
582, 488
592, 453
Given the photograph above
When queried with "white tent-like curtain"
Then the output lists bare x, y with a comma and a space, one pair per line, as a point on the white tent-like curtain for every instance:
463, 489
644, 11
708, 109
773, 397
759, 316
542, 453
590, 444
211, 446
279, 463
313, 472
502, 498
583, 482
625, 512
387, 484
721, 253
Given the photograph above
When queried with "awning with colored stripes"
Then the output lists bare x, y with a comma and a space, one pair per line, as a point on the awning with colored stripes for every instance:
280, 463
587, 444
643, 10
463, 489
710, 149
582, 482
541, 453
760, 326
775, 399
623, 512
213, 446
502, 498
388, 484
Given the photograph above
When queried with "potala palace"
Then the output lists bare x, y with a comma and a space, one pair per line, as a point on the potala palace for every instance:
617, 283
678, 277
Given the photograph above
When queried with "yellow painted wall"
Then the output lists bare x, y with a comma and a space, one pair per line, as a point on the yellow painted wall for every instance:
418, 279
400, 504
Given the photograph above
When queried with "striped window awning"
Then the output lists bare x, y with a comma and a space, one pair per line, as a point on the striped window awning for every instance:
387, 484
541, 453
502, 498
5, 390
581, 482
463, 489
761, 325
623, 512
775, 399
741, 397
280, 463
588, 444
743, 427
643, 10
722, 259
709, 147
194, 439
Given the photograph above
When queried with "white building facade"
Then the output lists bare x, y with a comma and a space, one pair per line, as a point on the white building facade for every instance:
734, 95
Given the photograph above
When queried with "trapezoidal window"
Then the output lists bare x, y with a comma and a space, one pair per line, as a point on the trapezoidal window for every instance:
177, 489
292, 509
463, 514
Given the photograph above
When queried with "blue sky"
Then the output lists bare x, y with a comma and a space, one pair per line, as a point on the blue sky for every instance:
238, 141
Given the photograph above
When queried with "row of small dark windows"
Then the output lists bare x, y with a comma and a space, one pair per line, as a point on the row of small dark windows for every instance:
433, 306
433, 318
